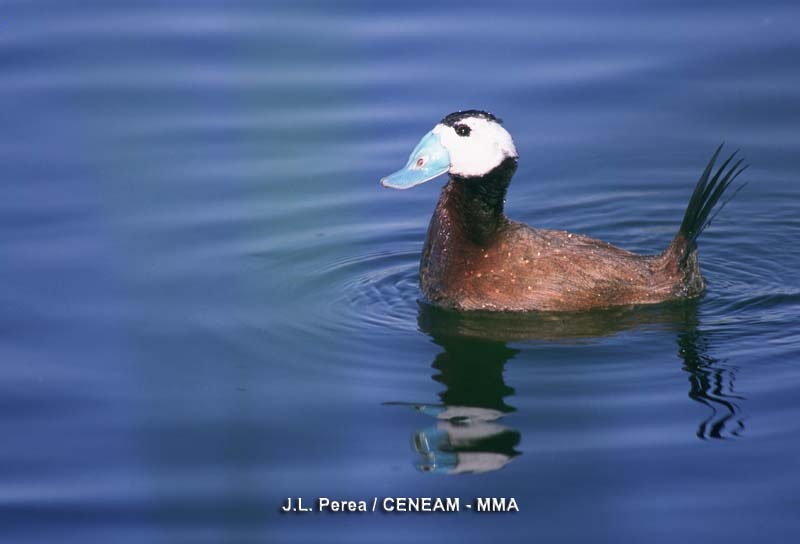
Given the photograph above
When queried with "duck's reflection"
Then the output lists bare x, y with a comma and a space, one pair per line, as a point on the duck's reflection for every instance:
468, 434
711, 383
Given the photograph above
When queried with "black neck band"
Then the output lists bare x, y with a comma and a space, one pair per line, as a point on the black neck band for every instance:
479, 200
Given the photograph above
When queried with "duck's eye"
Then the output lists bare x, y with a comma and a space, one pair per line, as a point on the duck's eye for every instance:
420, 162
462, 130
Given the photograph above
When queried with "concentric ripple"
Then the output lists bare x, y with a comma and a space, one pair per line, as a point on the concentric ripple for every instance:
365, 290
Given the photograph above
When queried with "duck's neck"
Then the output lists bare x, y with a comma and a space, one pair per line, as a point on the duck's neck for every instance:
475, 204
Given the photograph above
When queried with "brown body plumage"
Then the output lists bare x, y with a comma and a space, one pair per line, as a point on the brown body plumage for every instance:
475, 258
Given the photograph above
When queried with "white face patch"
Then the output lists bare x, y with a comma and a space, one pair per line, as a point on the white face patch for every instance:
487, 145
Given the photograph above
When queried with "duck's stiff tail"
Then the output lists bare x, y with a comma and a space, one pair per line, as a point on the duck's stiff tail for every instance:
700, 212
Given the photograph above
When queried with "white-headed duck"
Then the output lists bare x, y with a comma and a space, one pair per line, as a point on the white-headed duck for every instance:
476, 258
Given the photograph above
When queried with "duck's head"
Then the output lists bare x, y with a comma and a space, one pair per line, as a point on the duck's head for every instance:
468, 143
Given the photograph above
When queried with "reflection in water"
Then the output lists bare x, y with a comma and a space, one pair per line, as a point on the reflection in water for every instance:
711, 383
467, 436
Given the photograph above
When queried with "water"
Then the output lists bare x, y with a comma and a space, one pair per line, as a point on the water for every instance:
208, 304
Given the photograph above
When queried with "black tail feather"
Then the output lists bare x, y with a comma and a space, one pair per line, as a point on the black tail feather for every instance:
706, 195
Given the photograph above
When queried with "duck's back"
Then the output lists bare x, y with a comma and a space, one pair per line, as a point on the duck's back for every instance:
523, 268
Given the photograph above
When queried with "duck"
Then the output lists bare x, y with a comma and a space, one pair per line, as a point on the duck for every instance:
477, 259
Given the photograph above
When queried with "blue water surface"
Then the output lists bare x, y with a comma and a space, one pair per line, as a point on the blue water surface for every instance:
208, 304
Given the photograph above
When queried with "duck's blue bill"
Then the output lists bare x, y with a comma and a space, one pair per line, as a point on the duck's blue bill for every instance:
428, 160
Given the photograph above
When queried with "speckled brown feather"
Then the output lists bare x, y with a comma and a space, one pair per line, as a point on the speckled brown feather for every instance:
475, 258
